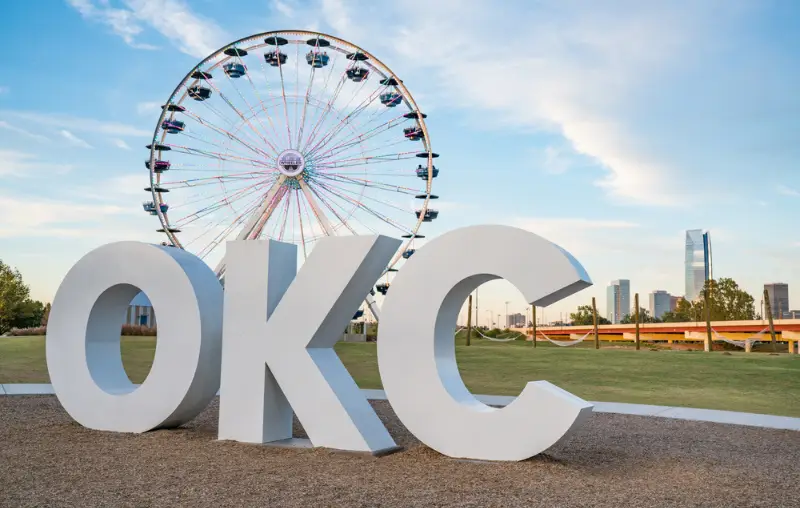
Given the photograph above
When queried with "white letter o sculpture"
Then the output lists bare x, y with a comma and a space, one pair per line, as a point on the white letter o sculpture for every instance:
83, 338
416, 350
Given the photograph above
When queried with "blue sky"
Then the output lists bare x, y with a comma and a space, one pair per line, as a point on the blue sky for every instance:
606, 127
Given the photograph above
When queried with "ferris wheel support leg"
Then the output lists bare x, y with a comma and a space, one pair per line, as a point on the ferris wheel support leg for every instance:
323, 220
255, 219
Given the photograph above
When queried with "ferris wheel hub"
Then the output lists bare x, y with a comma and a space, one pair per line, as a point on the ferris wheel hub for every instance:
291, 163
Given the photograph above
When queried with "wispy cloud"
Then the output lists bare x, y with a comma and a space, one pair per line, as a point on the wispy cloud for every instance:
22, 164
13, 128
74, 140
121, 21
283, 8
75, 124
582, 72
4, 89
120, 144
190, 33
787, 191
148, 108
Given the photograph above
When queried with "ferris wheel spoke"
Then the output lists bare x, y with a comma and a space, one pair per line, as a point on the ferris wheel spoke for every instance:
227, 200
285, 104
326, 138
217, 155
209, 180
229, 121
300, 222
361, 138
252, 111
362, 182
345, 154
242, 117
231, 136
328, 205
361, 205
330, 107
361, 196
372, 159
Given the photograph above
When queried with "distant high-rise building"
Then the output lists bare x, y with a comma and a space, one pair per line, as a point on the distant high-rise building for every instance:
660, 303
515, 320
697, 262
778, 293
673, 302
618, 300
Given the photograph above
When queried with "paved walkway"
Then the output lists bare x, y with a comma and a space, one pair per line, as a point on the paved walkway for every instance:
680, 413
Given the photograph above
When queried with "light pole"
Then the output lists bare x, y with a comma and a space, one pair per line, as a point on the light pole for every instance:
489, 323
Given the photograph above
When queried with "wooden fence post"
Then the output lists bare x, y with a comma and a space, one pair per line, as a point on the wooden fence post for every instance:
469, 320
636, 317
768, 312
707, 297
594, 321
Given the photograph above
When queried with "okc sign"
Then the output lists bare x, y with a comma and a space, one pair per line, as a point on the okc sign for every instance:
267, 344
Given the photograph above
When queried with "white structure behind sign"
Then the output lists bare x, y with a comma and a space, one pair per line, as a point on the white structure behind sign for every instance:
273, 363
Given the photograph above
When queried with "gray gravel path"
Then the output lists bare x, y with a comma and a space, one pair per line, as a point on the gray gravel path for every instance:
48, 460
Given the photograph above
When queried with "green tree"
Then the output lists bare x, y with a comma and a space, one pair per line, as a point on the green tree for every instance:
728, 303
29, 314
13, 294
583, 317
644, 317
46, 315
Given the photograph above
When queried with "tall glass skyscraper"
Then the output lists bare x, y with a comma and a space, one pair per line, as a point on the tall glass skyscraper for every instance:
660, 303
618, 300
697, 262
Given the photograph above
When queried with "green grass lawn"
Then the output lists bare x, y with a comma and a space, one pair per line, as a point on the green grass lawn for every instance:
755, 382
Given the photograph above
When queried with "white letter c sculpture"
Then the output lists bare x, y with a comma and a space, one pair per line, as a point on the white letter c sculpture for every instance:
416, 350
83, 338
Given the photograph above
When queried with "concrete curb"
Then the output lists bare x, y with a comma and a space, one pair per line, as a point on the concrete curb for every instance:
678, 413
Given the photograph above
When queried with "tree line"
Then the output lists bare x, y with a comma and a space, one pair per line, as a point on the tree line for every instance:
17, 309
727, 302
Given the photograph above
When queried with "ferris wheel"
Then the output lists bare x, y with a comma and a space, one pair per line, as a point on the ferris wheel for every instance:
294, 136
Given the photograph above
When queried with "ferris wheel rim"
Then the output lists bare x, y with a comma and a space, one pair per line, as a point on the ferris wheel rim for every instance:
373, 62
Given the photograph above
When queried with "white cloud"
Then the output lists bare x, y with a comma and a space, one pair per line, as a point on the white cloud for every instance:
4, 89
787, 191
13, 128
74, 140
148, 108
192, 34
173, 19
120, 144
283, 8
121, 21
21, 164
72, 123
559, 66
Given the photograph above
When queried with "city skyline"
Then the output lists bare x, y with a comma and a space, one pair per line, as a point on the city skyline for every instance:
636, 111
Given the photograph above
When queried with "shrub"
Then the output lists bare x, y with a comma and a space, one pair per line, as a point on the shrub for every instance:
130, 330
26, 332
138, 330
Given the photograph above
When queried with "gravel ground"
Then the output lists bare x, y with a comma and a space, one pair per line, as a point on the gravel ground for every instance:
48, 460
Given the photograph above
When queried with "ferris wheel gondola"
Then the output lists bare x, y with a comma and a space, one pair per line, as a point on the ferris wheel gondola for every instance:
294, 136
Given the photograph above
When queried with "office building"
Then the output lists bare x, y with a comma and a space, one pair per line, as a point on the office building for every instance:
660, 303
515, 321
697, 262
618, 300
673, 302
778, 293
